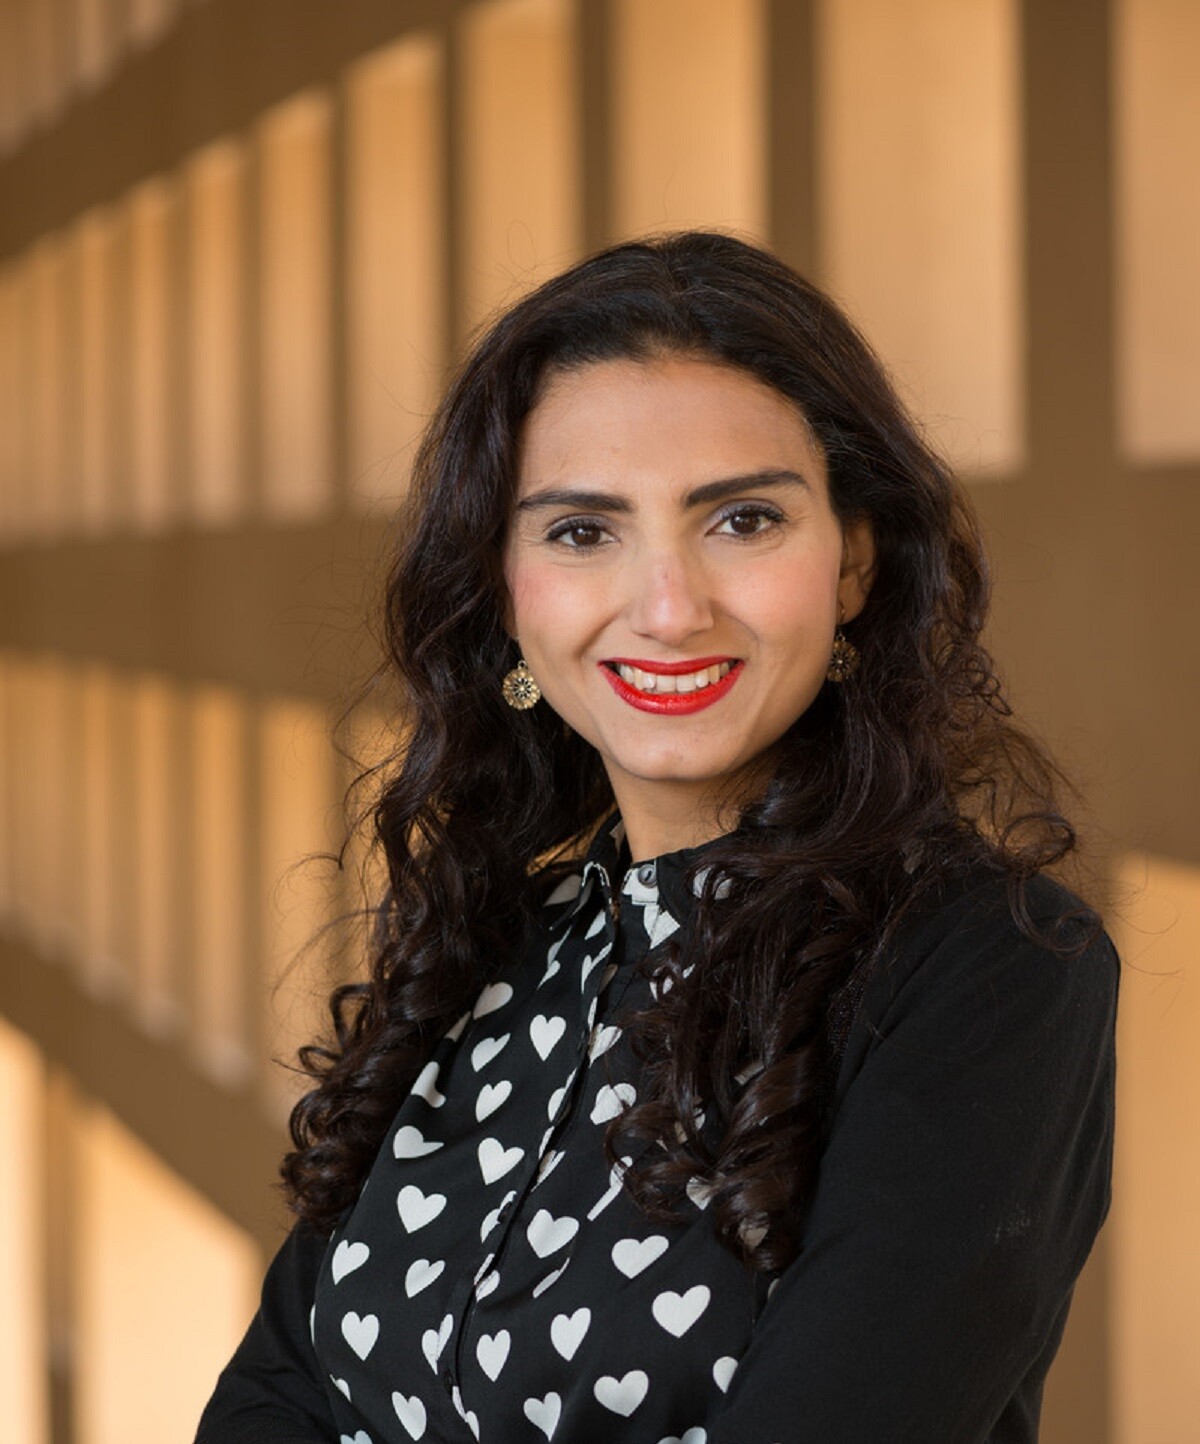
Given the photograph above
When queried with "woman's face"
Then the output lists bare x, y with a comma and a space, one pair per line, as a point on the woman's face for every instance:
675, 572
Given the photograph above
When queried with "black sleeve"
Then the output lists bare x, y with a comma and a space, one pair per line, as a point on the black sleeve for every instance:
966, 1175
271, 1391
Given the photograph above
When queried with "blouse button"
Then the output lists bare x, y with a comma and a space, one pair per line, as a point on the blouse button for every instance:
645, 874
448, 1381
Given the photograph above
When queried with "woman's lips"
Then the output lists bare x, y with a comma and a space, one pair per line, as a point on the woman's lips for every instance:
673, 703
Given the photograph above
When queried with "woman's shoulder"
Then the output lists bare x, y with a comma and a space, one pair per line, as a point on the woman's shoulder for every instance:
980, 969
982, 928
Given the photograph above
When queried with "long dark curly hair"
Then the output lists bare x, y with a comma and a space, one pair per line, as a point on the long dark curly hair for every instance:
909, 772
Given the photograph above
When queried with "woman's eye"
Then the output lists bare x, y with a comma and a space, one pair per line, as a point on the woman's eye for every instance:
577, 535
749, 521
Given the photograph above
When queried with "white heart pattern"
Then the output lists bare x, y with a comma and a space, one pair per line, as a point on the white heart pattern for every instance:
544, 1414
424, 1086
566, 891
603, 1201
486, 1285
632, 1255
722, 1372
410, 1142
492, 1352
567, 1331
341, 1386
699, 1190
421, 1273
693, 1436
551, 1279
602, 1040
545, 1032
455, 1033
612, 1099
495, 1160
346, 1258
491, 1096
547, 1234
490, 1220
547, 1164
416, 1209
362, 1437
360, 1334
484, 1051
411, 1413
494, 996
585, 969
555, 1103
622, 1396
433, 1341
678, 1312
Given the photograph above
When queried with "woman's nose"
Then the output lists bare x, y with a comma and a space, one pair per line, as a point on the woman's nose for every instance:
669, 598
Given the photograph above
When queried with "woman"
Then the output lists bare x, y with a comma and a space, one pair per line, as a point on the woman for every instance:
730, 1070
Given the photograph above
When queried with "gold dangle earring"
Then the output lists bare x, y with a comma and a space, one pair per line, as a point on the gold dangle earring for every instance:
519, 688
843, 661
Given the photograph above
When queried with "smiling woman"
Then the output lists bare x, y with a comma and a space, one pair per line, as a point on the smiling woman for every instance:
702, 564
730, 1068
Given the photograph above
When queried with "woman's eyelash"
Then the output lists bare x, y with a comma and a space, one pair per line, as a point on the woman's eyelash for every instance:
562, 530
751, 508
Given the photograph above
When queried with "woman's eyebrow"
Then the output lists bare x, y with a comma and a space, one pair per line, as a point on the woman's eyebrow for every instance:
704, 495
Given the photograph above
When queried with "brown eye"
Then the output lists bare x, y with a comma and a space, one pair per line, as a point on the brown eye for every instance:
577, 535
750, 521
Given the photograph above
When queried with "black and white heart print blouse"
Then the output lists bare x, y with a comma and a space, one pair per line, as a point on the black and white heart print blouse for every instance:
495, 1283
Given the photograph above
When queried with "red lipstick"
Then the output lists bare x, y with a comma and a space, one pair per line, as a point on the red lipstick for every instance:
672, 704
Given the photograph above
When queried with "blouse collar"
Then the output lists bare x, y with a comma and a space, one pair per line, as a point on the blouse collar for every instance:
607, 867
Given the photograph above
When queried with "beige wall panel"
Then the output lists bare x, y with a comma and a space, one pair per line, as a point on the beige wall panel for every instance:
20, 799
395, 261
45, 759
149, 20
22, 1242
157, 833
8, 770
26, 400
1154, 1241
49, 497
689, 146
98, 39
521, 192
101, 966
13, 115
219, 733
50, 76
1157, 84
919, 207
295, 299
12, 412
217, 299
299, 811
99, 359
166, 1286
154, 349
371, 739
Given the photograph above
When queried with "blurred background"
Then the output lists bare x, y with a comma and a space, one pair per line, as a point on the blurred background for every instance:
240, 243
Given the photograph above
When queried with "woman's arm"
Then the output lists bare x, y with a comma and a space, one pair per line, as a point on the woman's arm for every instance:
271, 1391
966, 1177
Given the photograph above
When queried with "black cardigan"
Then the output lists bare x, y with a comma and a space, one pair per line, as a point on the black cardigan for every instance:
494, 1283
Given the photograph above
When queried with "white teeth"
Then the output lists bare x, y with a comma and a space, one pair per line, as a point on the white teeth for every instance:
663, 682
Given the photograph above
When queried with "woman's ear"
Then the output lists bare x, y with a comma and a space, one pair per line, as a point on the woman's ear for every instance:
858, 566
